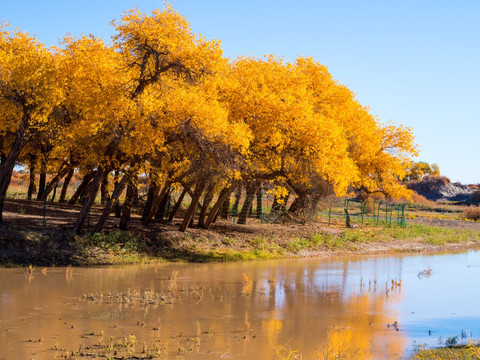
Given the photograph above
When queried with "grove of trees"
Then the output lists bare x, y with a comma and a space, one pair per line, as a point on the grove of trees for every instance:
162, 101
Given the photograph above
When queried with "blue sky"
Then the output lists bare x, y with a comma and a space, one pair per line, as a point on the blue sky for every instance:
415, 63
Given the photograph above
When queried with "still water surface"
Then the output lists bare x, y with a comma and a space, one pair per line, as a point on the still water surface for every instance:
381, 305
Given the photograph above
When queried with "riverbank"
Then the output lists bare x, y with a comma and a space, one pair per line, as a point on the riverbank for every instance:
454, 352
25, 241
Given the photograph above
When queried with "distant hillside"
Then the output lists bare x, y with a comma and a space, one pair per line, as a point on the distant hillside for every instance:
437, 188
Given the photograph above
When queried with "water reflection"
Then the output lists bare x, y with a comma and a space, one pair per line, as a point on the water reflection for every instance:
374, 307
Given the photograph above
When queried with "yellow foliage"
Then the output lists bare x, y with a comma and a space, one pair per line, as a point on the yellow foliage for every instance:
165, 100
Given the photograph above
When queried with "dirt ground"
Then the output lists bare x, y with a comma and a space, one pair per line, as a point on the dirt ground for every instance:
30, 214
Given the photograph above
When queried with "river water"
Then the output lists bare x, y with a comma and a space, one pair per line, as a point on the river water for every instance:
376, 307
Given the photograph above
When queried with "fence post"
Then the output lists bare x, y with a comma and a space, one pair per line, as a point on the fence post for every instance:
391, 211
346, 211
363, 206
266, 198
386, 212
329, 214
378, 214
261, 208
235, 207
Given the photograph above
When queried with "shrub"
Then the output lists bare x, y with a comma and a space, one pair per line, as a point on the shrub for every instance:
115, 240
475, 197
419, 199
472, 213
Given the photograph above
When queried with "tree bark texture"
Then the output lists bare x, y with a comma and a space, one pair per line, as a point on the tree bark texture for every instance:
156, 202
31, 178
86, 180
54, 194
251, 190
119, 186
43, 179
238, 195
87, 205
226, 208
207, 199
160, 214
7, 166
177, 205
199, 187
104, 195
152, 191
222, 198
66, 182
117, 206
127, 205
259, 203
54, 182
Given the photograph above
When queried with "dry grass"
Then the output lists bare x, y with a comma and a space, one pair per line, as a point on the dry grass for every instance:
467, 352
472, 213
419, 199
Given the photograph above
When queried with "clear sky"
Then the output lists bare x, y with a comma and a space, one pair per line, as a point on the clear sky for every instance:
415, 63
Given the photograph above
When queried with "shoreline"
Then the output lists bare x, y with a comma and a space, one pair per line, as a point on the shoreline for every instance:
21, 247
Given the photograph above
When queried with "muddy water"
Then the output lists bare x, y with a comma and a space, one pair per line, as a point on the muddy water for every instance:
377, 306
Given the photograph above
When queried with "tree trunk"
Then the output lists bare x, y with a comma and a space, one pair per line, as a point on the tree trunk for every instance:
127, 205
238, 195
259, 203
2, 155
104, 195
86, 180
54, 194
152, 192
136, 197
3, 158
177, 204
117, 207
222, 198
110, 151
85, 194
119, 186
53, 183
251, 190
82, 216
43, 179
301, 202
348, 225
226, 208
162, 207
215, 218
9, 163
31, 178
207, 199
156, 202
66, 182
199, 187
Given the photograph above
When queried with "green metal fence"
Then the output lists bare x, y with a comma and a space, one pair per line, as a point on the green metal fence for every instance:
337, 212
359, 213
